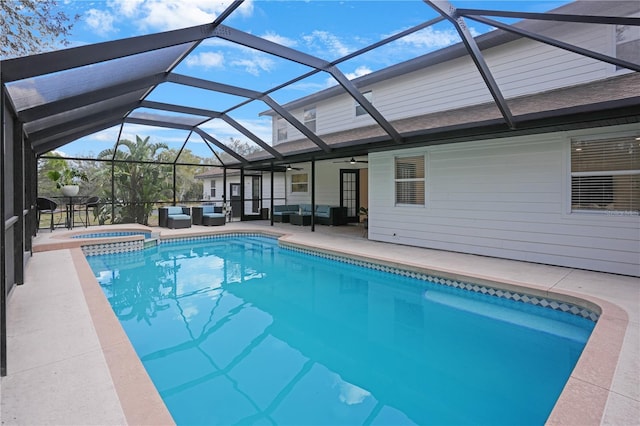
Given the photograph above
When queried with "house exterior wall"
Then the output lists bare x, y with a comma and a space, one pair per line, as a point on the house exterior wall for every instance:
278, 190
507, 198
520, 68
327, 183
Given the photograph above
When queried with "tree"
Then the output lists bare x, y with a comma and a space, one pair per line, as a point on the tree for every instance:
242, 148
32, 26
187, 187
138, 184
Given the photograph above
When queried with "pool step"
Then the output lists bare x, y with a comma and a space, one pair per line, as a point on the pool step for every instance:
152, 241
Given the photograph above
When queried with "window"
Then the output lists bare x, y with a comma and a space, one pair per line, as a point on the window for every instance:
369, 97
282, 129
309, 118
300, 182
628, 43
410, 180
605, 175
213, 188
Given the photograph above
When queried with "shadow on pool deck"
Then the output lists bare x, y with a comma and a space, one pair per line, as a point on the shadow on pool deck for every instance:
69, 361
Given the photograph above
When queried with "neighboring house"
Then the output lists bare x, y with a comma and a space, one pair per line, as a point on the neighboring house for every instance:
568, 197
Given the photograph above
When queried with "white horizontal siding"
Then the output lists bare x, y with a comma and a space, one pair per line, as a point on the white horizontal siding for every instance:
520, 68
327, 184
504, 198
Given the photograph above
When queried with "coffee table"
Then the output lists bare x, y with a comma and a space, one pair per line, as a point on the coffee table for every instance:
300, 219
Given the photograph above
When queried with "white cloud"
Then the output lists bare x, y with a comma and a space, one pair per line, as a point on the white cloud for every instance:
430, 38
100, 21
127, 8
206, 59
254, 65
282, 40
322, 40
261, 127
359, 72
161, 15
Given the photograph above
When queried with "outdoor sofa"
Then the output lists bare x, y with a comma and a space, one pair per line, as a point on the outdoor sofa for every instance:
174, 217
324, 214
208, 215
281, 213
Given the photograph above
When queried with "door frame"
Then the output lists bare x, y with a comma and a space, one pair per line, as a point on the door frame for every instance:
356, 172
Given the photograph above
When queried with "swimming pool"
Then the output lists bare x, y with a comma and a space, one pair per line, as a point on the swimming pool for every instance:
240, 330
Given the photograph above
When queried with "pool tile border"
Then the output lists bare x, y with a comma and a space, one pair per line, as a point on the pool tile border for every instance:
522, 297
114, 247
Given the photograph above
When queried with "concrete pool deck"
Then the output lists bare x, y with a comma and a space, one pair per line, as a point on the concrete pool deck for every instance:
69, 361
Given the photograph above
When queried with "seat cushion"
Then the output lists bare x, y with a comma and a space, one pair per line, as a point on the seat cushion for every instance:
173, 210
322, 209
179, 216
213, 215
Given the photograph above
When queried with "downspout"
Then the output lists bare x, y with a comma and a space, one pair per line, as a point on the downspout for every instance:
313, 195
224, 186
241, 194
271, 214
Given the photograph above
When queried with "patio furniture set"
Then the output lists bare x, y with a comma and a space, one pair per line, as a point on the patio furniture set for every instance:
177, 217
300, 214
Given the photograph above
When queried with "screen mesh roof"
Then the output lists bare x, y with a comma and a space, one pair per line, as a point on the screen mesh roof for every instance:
65, 95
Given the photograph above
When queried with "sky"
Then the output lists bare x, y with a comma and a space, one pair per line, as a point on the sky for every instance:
328, 29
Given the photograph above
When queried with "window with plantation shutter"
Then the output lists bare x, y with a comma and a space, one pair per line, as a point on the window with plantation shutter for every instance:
300, 182
605, 175
410, 180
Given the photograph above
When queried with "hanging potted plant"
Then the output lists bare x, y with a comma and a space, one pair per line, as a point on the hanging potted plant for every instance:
67, 180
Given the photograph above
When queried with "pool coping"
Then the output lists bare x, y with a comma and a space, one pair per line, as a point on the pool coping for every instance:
65, 240
582, 401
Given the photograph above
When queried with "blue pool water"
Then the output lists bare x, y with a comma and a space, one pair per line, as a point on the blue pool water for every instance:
237, 330
106, 234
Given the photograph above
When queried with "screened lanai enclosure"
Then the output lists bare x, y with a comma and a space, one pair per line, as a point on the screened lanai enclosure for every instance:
135, 117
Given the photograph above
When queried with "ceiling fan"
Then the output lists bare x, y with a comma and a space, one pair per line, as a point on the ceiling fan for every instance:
289, 167
352, 161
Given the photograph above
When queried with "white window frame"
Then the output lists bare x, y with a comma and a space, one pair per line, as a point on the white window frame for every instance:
301, 187
359, 110
606, 176
396, 180
212, 190
281, 129
309, 118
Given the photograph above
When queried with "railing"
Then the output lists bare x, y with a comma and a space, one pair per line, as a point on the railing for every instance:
107, 209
